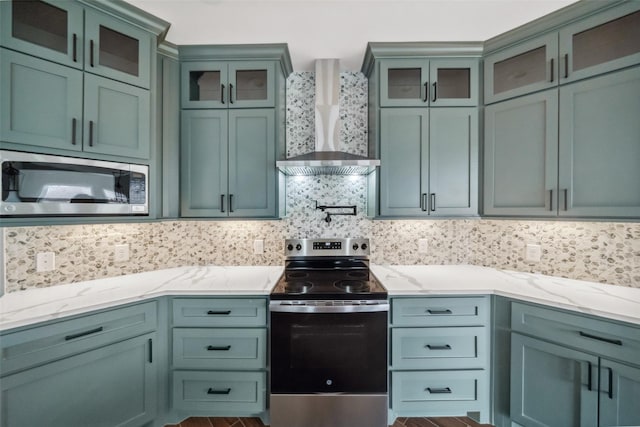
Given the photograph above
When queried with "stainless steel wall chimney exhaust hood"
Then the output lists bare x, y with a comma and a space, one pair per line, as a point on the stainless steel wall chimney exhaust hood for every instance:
328, 159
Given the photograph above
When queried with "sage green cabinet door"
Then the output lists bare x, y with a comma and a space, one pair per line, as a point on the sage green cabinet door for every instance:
204, 84
454, 83
601, 43
522, 69
520, 158
600, 146
111, 386
251, 84
404, 83
404, 158
204, 163
453, 161
252, 171
46, 29
552, 386
619, 391
117, 50
117, 118
41, 102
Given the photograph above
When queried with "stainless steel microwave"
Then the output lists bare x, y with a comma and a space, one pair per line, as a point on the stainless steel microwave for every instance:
46, 185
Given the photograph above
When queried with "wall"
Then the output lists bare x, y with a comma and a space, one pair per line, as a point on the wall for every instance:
597, 251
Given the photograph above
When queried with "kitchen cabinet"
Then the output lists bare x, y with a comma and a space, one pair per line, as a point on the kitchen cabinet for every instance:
428, 161
228, 163
602, 42
424, 82
80, 37
572, 370
440, 356
77, 371
213, 84
232, 130
219, 356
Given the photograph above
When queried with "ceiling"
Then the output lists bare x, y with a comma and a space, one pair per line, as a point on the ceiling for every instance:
340, 28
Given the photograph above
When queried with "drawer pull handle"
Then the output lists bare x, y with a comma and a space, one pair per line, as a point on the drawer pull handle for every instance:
219, 348
219, 313
83, 334
435, 311
225, 391
438, 347
443, 390
595, 337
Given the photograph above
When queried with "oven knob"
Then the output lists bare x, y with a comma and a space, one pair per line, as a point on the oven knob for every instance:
298, 246
290, 247
364, 246
355, 246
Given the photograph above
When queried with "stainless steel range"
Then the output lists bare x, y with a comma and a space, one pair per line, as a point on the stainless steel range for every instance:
328, 338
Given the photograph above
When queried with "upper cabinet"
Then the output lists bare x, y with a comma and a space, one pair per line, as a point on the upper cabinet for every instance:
79, 37
238, 84
424, 82
601, 43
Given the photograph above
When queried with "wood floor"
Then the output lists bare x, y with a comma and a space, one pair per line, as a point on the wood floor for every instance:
400, 422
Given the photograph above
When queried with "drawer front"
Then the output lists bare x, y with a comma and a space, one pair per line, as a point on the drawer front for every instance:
438, 393
230, 393
38, 345
219, 348
220, 312
439, 348
437, 311
594, 335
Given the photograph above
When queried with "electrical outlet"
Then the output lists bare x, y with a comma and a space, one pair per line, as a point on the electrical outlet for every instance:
121, 253
258, 246
532, 253
45, 261
423, 246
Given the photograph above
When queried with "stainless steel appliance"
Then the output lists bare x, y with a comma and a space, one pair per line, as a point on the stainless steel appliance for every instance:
46, 185
328, 338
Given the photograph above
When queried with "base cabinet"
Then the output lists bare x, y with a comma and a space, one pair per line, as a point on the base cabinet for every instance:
619, 391
111, 386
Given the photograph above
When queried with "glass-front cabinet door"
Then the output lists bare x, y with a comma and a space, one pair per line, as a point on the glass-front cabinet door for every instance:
602, 43
404, 83
116, 50
51, 31
251, 84
522, 69
454, 82
204, 85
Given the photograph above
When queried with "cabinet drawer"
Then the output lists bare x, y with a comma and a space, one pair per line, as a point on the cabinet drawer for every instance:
220, 312
53, 341
438, 393
231, 393
439, 348
438, 311
219, 348
594, 335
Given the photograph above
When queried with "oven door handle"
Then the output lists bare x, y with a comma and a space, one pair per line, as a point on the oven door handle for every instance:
364, 308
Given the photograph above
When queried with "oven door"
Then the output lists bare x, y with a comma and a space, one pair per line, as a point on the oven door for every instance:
329, 352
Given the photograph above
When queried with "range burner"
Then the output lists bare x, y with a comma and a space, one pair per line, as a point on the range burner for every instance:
352, 286
298, 287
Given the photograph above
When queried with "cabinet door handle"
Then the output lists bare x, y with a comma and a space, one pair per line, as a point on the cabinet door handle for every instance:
426, 92
219, 348
225, 391
433, 202
610, 383
222, 203
83, 334
589, 382
75, 47
90, 133
595, 337
222, 94
438, 347
423, 202
435, 91
550, 200
91, 53
552, 71
439, 311
566, 199
230, 202
219, 313
150, 350
441, 390
230, 93
566, 65
74, 124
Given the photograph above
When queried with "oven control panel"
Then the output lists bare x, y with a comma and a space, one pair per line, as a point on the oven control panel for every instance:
326, 247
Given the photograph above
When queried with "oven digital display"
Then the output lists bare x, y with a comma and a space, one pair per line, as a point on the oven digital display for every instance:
327, 245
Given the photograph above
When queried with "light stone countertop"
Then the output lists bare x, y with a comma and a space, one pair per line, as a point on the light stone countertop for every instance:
37, 305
